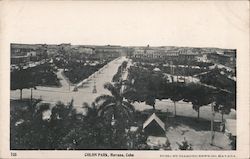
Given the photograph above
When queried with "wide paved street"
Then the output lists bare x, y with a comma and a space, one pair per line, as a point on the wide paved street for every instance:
84, 94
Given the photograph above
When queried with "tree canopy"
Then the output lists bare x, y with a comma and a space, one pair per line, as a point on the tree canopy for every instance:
147, 86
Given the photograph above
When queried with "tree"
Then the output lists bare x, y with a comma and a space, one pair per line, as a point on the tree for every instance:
118, 74
215, 78
116, 113
31, 77
62, 116
113, 105
32, 132
199, 96
154, 86
146, 85
176, 91
86, 133
21, 79
224, 102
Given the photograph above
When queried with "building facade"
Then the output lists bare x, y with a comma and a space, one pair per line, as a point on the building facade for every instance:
227, 58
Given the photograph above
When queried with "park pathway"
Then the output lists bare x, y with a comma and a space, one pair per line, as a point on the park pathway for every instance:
83, 94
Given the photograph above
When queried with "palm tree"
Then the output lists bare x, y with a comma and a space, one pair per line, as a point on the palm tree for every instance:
113, 106
108, 112
92, 111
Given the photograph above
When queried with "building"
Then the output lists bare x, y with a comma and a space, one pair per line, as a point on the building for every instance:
22, 53
230, 127
171, 55
232, 55
188, 54
64, 48
153, 126
52, 50
138, 53
85, 50
227, 58
230, 131
15, 60
155, 53
109, 51
79, 52
155, 130
22, 49
165, 54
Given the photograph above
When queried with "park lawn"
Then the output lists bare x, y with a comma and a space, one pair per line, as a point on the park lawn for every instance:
200, 140
183, 109
196, 131
79, 72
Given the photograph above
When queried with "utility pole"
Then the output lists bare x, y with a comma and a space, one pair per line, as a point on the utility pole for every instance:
121, 80
212, 124
172, 70
31, 94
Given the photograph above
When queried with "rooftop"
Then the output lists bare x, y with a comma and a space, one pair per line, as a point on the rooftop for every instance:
156, 118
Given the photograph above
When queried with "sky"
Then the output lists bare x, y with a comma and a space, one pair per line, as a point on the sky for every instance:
131, 23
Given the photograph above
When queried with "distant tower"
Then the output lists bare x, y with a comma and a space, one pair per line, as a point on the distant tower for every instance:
94, 88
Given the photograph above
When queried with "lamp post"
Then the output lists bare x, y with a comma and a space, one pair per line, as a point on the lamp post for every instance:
94, 88
31, 94
172, 70
32, 84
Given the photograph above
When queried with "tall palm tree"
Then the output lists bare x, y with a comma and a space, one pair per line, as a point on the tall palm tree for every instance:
114, 106
91, 110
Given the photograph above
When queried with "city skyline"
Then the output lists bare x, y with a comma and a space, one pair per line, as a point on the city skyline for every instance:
129, 46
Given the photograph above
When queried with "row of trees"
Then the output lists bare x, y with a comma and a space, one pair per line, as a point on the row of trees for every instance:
215, 78
41, 75
147, 86
118, 75
180, 71
186, 62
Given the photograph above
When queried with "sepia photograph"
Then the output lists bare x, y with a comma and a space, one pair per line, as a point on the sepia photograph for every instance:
130, 98
125, 79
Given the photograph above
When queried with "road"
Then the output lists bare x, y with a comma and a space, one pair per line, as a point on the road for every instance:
84, 93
